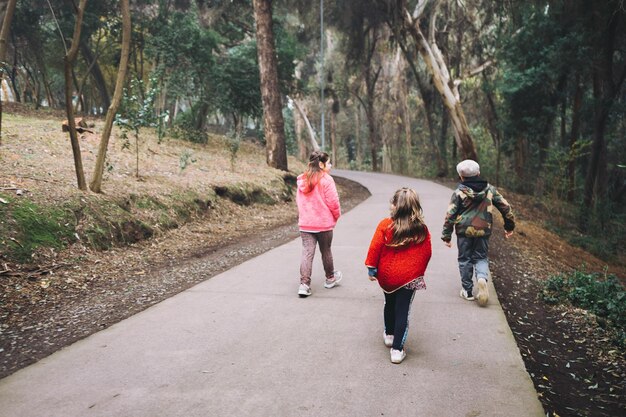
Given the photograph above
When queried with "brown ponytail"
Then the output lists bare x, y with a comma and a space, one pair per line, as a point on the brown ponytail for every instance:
313, 171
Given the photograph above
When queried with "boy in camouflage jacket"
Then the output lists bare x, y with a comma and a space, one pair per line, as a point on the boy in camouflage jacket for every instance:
470, 212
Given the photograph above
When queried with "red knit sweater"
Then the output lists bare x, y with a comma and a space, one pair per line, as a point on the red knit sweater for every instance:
397, 266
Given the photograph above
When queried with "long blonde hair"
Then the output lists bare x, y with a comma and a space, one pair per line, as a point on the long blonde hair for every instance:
408, 221
313, 171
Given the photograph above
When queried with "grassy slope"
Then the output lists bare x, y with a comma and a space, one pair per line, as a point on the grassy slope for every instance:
178, 181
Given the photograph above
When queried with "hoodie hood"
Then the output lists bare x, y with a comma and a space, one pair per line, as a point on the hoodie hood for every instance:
475, 188
302, 184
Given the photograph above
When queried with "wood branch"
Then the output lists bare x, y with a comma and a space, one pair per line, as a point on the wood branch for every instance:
32, 273
23, 190
479, 69
314, 143
96, 182
432, 27
46, 270
419, 9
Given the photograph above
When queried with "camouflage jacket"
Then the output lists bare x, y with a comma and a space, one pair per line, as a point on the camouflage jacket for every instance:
471, 210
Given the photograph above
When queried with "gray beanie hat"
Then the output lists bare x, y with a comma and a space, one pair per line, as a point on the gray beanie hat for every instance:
468, 168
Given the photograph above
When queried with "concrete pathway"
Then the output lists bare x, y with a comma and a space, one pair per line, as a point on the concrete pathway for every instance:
243, 343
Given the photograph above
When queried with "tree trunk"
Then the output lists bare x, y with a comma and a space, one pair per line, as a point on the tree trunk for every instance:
314, 144
373, 134
429, 110
408, 151
298, 127
333, 132
521, 160
441, 78
69, 59
200, 118
273, 123
4, 36
604, 21
357, 134
573, 137
492, 122
96, 72
96, 183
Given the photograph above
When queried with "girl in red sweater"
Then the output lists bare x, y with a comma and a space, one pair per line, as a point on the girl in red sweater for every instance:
397, 258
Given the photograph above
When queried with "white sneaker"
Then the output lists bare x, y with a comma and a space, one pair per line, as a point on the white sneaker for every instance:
483, 292
388, 339
330, 283
304, 290
397, 356
466, 295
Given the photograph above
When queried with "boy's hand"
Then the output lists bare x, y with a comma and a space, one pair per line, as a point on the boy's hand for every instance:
508, 234
448, 244
372, 278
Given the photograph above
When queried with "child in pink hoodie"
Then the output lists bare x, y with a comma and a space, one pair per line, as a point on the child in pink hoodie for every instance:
318, 212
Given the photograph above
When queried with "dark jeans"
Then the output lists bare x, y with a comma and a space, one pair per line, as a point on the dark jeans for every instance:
309, 242
473, 258
396, 313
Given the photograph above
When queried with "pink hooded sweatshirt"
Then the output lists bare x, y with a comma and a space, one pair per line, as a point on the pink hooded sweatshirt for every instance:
318, 208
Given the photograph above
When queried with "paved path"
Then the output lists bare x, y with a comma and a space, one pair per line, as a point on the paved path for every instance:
243, 344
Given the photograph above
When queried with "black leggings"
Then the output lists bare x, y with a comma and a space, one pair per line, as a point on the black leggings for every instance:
397, 308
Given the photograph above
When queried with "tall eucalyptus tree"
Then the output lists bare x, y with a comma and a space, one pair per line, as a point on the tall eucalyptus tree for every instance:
273, 123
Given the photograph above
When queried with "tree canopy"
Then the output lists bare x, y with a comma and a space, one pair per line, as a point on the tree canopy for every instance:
533, 90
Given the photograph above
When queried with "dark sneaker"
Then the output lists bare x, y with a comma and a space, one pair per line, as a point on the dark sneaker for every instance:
467, 295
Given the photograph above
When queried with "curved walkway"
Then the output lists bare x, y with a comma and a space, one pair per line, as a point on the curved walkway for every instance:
243, 343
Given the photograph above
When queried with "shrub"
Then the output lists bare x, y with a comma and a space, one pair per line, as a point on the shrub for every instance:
601, 295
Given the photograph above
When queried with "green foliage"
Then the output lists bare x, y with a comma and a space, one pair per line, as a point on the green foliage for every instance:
185, 127
537, 52
137, 111
290, 133
603, 296
245, 194
234, 141
184, 51
186, 159
237, 82
33, 226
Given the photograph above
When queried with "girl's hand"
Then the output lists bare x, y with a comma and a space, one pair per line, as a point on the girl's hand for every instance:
372, 278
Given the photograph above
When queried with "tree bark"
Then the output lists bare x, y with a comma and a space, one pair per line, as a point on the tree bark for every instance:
441, 78
96, 183
96, 72
314, 144
68, 60
273, 123
4, 35
494, 130
604, 21
333, 132
429, 107
573, 137
370, 78
357, 134
298, 127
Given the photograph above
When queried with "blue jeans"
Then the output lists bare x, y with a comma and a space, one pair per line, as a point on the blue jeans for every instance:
473, 258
